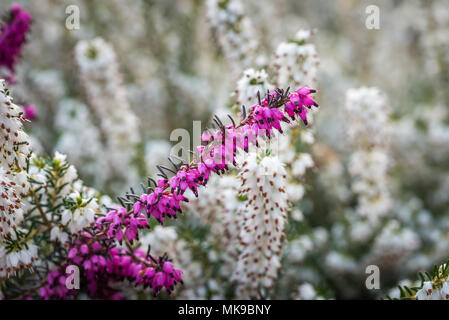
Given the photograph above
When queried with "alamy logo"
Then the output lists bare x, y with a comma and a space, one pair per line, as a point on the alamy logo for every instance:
373, 280
372, 20
73, 277
72, 22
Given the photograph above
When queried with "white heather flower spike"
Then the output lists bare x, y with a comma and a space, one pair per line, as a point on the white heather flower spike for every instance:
75, 123
296, 61
102, 82
234, 30
264, 217
216, 206
367, 131
15, 255
10, 206
15, 144
367, 112
17, 259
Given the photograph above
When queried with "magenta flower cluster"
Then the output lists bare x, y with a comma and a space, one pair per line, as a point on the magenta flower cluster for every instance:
121, 223
12, 38
164, 201
299, 103
103, 265
95, 250
55, 286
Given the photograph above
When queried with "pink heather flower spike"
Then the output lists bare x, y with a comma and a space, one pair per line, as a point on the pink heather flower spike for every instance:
104, 263
220, 149
12, 38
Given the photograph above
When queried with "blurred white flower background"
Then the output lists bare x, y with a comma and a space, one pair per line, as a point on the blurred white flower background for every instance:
366, 182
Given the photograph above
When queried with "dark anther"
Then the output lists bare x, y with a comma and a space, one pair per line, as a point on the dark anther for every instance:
121, 201
233, 122
219, 123
173, 164
168, 169
162, 172
244, 112
150, 180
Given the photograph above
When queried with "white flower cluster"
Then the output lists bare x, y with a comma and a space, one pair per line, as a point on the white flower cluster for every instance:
12, 189
367, 112
15, 149
299, 248
221, 192
393, 245
369, 170
102, 82
434, 41
368, 165
216, 206
17, 259
65, 186
431, 292
49, 84
296, 163
331, 172
263, 219
296, 61
437, 288
421, 138
306, 291
62, 181
75, 124
152, 114
234, 30
341, 263
83, 216
16, 252
252, 82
